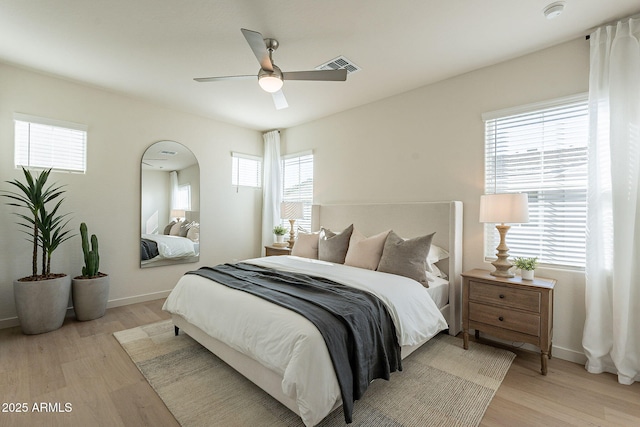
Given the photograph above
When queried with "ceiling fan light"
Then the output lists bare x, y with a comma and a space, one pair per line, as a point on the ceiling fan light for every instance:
270, 83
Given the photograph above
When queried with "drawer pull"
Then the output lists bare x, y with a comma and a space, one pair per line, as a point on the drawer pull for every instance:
501, 318
501, 296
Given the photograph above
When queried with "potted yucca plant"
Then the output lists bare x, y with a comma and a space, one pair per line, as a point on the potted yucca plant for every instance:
41, 299
90, 291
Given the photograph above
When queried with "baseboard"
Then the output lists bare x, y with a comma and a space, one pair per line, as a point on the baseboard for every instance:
570, 355
138, 298
11, 322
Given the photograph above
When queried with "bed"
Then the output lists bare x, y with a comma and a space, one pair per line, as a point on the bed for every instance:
159, 248
274, 347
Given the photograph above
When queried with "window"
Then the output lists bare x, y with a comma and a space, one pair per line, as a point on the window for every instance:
183, 197
541, 150
246, 170
49, 144
297, 184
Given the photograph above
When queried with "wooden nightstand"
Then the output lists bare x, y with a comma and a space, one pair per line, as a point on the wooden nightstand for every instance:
511, 309
273, 251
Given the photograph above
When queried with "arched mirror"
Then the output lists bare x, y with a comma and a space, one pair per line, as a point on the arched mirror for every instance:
170, 205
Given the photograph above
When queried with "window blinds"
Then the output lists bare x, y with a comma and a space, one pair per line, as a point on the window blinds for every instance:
246, 170
541, 152
49, 144
297, 183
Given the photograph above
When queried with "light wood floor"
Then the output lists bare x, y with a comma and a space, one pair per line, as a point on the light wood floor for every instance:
82, 364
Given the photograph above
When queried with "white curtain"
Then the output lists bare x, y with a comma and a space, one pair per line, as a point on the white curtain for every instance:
271, 186
611, 337
173, 188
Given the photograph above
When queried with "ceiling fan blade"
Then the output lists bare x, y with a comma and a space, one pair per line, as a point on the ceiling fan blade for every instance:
215, 79
319, 75
259, 48
279, 100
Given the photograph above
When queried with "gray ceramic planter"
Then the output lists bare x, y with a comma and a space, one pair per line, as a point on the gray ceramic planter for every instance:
41, 305
90, 297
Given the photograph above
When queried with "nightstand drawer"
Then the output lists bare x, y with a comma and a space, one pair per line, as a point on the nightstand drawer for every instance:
508, 297
504, 318
275, 251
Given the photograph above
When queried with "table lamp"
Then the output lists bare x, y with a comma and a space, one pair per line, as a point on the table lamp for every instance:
291, 211
178, 214
500, 209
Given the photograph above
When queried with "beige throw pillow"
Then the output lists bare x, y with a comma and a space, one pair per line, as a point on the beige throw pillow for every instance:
175, 229
406, 257
365, 252
332, 246
306, 245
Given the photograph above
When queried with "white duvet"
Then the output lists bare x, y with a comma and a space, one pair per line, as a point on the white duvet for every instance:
288, 343
172, 246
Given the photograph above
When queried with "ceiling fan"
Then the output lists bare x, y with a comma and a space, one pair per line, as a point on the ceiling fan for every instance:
270, 77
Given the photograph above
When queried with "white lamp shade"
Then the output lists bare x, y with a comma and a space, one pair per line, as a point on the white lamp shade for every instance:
504, 208
270, 83
291, 210
178, 213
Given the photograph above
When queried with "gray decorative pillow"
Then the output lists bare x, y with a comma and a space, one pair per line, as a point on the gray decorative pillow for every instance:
167, 229
406, 257
332, 246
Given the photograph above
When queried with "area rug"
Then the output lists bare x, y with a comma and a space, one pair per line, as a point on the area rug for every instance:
441, 384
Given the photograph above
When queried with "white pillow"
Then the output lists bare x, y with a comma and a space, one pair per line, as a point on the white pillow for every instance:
194, 233
365, 252
306, 245
436, 253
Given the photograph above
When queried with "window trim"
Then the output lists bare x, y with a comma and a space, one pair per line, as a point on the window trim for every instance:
257, 159
532, 108
307, 209
31, 119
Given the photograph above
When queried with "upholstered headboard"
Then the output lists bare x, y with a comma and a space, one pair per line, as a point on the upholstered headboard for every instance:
408, 220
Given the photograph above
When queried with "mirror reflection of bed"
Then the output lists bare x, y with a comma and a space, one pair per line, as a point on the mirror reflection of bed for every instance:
169, 205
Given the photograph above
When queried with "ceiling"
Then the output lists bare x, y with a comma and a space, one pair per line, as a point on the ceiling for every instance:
152, 49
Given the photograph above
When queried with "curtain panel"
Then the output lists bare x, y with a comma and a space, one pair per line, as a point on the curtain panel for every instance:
271, 185
611, 337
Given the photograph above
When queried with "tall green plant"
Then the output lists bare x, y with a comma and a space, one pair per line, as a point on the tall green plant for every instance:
52, 234
45, 229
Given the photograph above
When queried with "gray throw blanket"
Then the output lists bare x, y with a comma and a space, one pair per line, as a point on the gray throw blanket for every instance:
356, 326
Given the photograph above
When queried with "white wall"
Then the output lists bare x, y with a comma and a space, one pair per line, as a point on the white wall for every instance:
155, 201
107, 198
427, 145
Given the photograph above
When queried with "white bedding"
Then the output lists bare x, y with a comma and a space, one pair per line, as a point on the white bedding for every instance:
173, 246
439, 291
286, 342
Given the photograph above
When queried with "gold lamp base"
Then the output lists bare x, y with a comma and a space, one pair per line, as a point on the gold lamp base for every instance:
502, 264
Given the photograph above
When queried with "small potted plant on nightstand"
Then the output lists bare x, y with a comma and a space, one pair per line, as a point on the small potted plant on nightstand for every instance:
526, 266
279, 232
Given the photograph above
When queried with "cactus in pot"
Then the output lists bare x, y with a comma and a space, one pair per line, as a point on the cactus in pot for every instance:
90, 291
91, 256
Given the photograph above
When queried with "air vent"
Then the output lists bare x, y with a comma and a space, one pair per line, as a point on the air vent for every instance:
339, 63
